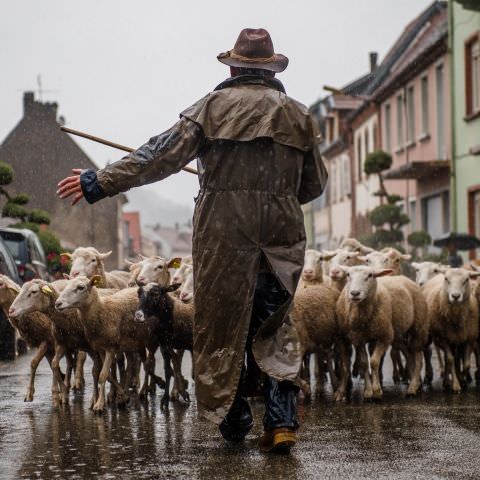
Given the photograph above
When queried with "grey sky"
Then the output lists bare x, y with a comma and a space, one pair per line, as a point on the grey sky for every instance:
124, 70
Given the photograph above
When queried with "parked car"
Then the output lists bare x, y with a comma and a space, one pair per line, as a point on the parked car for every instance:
27, 251
8, 266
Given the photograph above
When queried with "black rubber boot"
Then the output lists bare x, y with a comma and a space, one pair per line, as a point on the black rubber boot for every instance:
238, 422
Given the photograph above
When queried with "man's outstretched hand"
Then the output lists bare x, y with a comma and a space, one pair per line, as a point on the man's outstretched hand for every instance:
71, 186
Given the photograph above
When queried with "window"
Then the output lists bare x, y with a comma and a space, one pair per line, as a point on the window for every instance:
400, 138
359, 158
432, 216
413, 215
367, 143
388, 128
333, 183
346, 176
410, 114
329, 129
424, 89
472, 75
441, 114
474, 216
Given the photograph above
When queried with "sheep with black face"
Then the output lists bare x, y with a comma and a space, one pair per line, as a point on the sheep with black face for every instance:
173, 324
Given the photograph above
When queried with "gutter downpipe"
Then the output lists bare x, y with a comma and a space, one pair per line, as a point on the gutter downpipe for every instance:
453, 145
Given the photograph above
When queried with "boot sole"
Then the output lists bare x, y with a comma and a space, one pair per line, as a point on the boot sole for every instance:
282, 443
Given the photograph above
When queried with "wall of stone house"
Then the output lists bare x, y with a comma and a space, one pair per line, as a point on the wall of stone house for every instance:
41, 155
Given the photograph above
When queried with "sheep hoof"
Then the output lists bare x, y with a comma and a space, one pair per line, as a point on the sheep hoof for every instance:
185, 396
28, 397
340, 396
164, 402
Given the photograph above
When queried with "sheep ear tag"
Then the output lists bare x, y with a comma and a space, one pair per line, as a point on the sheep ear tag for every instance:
96, 280
47, 290
174, 263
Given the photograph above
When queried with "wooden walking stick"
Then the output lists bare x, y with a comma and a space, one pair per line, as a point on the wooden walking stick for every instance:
111, 144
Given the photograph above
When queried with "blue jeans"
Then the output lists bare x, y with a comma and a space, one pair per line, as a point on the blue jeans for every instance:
280, 397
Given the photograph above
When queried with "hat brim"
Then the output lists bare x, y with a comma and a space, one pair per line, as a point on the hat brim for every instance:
277, 65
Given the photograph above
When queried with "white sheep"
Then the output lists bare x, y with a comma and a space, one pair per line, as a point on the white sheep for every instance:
453, 312
387, 258
88, 261
186, 292
35, 329
364, 313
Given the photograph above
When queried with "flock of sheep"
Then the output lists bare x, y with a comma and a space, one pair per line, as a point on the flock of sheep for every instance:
351, 306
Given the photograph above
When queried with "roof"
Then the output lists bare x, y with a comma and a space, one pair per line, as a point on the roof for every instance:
402, 43
429, 44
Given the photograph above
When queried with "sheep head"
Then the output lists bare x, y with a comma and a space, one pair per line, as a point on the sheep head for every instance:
362, 282
36, 295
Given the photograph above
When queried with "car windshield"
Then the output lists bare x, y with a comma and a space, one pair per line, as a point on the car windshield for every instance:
16, 245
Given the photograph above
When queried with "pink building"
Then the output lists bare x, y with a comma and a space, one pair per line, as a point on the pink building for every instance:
414, 115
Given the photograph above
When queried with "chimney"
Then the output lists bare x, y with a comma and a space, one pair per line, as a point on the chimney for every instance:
52, 108
28, 101
373, 61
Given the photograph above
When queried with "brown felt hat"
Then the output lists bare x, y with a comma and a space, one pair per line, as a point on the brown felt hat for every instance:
254, 49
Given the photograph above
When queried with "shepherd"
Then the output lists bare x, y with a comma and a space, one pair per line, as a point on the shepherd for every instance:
258, 161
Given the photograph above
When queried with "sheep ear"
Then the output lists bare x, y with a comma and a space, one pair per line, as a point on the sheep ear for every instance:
415, 264
173, 287
362, 258
47, 290
365, 250
96, 281
475, 267
12, 289
382, 273
406, 257
174, 262
66, 276
142, 257
104, 255
129, 262
328, 255
474, 274
66, 254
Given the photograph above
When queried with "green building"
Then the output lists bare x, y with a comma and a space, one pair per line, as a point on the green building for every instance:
464, 43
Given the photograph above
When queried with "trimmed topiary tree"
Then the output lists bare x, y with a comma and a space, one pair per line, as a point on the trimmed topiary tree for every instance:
15, 207
388, 218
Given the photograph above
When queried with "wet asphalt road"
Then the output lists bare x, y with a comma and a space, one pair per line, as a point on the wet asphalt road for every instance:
434, 436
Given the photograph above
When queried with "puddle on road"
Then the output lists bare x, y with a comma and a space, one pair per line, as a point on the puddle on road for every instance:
434, 435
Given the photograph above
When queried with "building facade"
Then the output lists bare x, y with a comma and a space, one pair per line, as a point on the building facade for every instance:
465, 147
41, 154
401, 106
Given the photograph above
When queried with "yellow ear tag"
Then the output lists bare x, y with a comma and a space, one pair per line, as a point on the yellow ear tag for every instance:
47, 290
96, 281
174, 263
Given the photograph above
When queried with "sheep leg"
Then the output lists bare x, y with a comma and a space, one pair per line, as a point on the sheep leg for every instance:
79, 379
364, 371
427, 356
180, 383
343, 353
395, 356
166, 354
375, 362
467, 363
41, 351
55, 401
450, 369
148, 366
68, 374
441, 363
59, 353
331, 370
96, 367
415, 373
104, 375
477, 363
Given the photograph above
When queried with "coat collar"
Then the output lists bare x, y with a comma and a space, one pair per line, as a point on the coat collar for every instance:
270, 82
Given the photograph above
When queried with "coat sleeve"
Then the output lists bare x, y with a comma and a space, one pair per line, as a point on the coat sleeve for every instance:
160, 157
314, 174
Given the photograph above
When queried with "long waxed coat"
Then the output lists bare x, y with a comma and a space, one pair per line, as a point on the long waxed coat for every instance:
258, 161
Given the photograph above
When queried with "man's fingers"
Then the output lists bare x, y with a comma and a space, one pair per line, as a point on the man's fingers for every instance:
69, 180
69, 190
77, 198
76, 171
